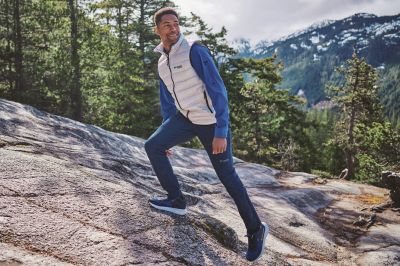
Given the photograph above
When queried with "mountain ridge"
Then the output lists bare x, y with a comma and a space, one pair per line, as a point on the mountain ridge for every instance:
311, 55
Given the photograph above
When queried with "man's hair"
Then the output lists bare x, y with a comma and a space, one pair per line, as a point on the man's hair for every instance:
164, 11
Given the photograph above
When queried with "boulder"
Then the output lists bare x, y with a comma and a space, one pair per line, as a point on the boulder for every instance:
73, 194
391, 180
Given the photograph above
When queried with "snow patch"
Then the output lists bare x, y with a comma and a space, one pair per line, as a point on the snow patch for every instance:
314, 39
320, 48
330, 42
305, 46
312, 28
379, 29
351, 38
301, 93
390, 36
362, 42
293, 46
365, 15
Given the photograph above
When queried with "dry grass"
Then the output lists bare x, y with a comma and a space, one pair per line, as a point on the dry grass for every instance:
371, 199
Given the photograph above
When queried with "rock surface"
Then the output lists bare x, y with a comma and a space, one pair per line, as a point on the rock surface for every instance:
73, 194
391, 181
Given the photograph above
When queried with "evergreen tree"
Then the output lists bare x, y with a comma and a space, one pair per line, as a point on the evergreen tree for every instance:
76, 95
29, 31
12, 57
118, 102
361, 116
271, 123
6, 47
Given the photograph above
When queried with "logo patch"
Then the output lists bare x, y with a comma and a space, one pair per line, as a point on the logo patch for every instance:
178, 67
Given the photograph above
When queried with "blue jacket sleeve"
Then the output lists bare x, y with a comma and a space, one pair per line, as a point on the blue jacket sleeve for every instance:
205, 68
166, 101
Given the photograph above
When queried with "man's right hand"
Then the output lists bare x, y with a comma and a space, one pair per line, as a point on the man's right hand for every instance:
168, 152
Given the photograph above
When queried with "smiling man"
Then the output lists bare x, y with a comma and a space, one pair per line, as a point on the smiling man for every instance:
194, 103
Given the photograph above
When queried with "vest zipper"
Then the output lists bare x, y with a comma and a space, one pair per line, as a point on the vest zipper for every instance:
205, 97
173, 83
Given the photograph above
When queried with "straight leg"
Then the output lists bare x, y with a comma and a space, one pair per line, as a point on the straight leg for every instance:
223, 165
172, 132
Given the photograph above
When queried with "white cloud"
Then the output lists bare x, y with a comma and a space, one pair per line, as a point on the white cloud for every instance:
268, 19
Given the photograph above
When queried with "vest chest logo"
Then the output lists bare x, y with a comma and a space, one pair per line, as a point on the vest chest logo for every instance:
178, 67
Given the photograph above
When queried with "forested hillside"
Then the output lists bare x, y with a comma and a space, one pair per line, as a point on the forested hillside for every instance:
310, 56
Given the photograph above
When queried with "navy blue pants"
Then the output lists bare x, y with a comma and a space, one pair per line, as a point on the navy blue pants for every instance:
178, 129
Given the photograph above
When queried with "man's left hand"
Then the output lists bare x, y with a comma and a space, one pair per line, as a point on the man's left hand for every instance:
219, 145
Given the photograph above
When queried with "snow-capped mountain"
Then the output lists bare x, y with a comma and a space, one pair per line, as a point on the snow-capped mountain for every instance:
362, 31
311, 55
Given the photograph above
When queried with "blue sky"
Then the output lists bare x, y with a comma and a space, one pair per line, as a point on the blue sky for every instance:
270, 19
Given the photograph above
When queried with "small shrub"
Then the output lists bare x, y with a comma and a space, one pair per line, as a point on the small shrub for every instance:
321, 173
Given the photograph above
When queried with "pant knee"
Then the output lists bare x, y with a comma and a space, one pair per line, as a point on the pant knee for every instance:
229, 175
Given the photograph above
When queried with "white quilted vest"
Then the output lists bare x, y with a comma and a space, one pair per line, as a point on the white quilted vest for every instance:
185, 86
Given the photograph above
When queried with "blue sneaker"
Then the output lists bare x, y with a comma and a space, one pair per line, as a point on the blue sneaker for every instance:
177, 206
257, 243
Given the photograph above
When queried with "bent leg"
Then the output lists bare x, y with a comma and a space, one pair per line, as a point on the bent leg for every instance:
172, 132
223, 165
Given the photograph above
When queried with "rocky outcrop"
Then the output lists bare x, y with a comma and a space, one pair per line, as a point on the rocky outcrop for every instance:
72, 194
391, 181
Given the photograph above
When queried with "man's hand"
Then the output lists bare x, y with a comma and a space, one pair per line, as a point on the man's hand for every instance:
168, 153
219, 145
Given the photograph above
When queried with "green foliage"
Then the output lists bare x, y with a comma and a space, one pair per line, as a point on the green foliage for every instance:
271, 122
381, 141
390, 93
369, 169
323, 154
44, 35
117, 69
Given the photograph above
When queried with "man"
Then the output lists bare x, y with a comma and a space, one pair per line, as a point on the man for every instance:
194, 103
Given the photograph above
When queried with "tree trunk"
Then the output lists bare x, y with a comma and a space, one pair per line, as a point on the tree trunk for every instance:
18, 59
8, 70
76, 96
349, 151
120, 33
257, 129
142, 38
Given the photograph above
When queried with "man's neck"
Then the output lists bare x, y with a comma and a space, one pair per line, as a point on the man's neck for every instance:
167, 49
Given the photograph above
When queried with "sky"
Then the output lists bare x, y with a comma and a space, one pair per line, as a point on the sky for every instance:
257, 20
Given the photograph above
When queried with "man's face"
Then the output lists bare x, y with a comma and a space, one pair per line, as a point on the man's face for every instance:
168, 29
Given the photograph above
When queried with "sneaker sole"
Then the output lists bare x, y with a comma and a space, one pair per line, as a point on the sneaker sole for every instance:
266, 232
168, 209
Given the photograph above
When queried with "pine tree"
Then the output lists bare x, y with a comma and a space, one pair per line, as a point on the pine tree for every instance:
76, 95
271, 122
11, 45
361, 110
6, 65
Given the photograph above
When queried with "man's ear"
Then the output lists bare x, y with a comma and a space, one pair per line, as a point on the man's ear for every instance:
156, 30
